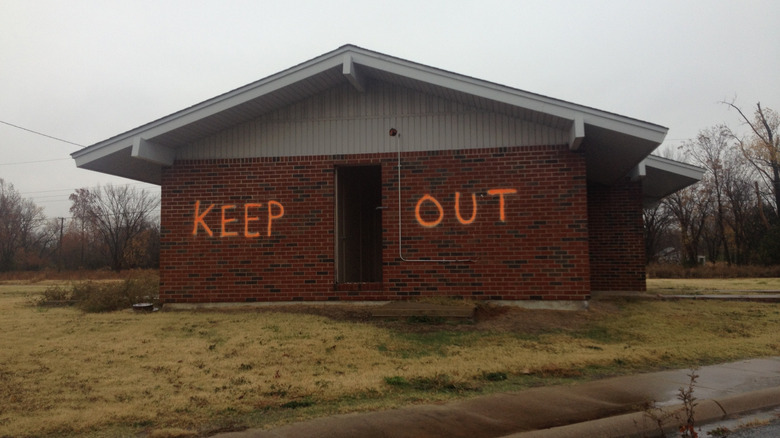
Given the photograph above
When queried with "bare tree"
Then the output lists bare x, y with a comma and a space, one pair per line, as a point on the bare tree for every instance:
709, 150
19, 222
657, 220
118, 215
762, 146
690, 207
742, 213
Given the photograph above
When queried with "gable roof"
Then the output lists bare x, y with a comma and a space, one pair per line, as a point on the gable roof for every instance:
613, 144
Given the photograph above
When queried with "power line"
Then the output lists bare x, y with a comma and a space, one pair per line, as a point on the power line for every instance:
36, 161
41, 134
88, 188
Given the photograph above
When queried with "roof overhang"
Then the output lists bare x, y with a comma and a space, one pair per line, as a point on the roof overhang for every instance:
613, 144
661, 177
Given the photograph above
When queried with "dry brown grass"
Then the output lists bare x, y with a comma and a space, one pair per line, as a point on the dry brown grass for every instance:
713, 285
711, 270
67, 373
54, 276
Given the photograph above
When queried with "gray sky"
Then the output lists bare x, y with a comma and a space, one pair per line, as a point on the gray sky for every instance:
84, 71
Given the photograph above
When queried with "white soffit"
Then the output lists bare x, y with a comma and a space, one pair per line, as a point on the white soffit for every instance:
661, 177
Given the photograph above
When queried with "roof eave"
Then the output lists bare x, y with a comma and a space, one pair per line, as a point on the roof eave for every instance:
661, 177
638, 138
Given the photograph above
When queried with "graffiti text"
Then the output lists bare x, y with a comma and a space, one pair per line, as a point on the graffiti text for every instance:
428, 198
228, 224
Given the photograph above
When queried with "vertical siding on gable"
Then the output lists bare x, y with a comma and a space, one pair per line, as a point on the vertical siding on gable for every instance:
344, 121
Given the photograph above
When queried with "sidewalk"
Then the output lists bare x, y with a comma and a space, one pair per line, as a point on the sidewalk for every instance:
763, 296
611, 407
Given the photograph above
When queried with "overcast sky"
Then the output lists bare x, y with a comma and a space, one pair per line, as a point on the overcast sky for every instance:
84, 71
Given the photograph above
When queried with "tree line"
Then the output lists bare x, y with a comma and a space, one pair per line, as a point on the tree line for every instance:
110, 227
733, 214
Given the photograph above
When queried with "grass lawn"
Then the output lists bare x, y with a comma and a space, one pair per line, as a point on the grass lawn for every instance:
182, 373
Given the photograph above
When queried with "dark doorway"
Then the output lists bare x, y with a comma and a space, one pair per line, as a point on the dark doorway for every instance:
359, 218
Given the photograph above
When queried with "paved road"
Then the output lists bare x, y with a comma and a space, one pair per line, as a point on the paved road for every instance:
736, 426
770, 431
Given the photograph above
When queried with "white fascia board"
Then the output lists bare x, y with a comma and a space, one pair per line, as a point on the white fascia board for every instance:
239, 96
356, 55
461, 83
676, 167
639, 172
221, 103
353, 76
152, 152
511, 96
577, 132
87, 155
634, 128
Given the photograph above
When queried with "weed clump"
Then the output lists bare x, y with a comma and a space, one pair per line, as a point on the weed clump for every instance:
683, 416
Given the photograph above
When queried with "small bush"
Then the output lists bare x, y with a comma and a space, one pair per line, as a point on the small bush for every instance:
109, 296
97, 297
103, 296
57, 293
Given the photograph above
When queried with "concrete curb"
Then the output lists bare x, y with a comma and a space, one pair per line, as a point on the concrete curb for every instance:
610, 407
641, 424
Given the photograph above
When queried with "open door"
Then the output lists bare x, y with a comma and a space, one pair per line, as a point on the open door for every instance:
359, 224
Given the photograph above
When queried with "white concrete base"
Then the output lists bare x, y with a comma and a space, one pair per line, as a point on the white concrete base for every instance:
526, 304
240, 305
544, 304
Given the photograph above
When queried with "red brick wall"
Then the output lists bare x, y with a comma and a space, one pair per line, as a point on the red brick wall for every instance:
538, 251
617, 256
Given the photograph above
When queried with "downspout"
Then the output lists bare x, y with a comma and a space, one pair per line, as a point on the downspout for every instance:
394, 133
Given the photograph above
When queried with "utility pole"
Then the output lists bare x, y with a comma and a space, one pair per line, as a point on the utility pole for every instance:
62, 226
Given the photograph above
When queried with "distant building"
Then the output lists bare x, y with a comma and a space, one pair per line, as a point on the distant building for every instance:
359, 176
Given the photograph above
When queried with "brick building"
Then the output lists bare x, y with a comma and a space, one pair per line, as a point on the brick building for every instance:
358, 176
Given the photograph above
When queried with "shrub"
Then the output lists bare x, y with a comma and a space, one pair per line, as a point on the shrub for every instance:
98, 297
56, 295
109, 296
